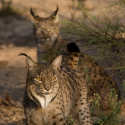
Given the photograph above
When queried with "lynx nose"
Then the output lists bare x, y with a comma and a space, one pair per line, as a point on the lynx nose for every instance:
48, 88
45, 36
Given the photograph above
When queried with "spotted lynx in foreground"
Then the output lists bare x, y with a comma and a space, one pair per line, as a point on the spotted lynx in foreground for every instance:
99, 82
52, 92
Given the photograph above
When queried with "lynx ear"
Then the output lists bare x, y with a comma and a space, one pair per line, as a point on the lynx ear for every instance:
30, 63
54, 16
33, 14
57, 62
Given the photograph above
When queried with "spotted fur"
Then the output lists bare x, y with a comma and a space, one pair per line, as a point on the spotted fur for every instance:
53, 92
99, 81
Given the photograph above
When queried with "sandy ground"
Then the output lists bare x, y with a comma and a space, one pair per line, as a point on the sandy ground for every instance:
16, 36
12, 67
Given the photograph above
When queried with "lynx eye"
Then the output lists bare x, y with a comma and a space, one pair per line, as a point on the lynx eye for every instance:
53, 79
38, 79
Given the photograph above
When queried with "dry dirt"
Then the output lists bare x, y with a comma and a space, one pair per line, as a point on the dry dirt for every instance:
16, 36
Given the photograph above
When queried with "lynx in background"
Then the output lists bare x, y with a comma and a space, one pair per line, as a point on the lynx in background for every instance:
46, 32
98, 80
52, 92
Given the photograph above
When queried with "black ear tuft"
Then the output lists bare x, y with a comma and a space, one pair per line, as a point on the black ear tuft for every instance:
30, 63
23, 54
54, 14
33, 14
31, 11
72, 47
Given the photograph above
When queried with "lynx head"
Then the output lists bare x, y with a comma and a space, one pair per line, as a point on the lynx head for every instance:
46, 30
42, 80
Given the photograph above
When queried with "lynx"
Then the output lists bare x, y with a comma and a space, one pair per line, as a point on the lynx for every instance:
46, 32
52, 92
99, 82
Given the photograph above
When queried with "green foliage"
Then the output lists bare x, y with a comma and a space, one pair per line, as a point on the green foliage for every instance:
112, 119
95, 105
114, 116
6, 8
51, 54
86, 75
105, 34
104, 31
70, 120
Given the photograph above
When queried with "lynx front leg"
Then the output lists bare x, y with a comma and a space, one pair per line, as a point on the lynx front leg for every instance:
84, 113
82, 107
55, 117
34, 117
